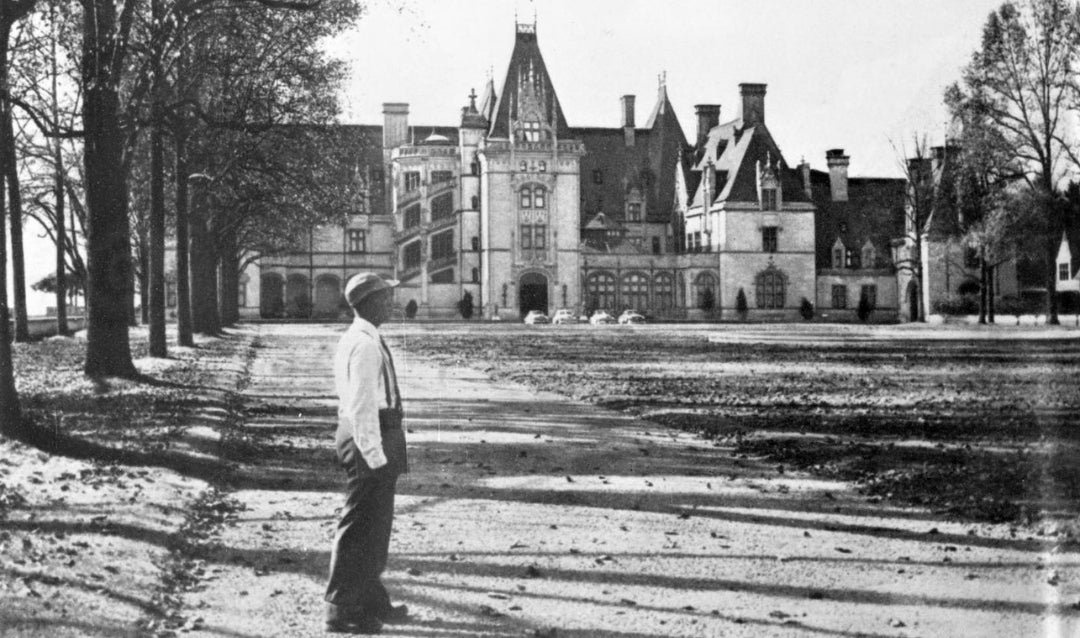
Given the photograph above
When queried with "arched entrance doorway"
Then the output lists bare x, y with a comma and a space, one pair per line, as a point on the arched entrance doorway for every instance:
272, 296
297, 299
327, 296
913, 301
532, 293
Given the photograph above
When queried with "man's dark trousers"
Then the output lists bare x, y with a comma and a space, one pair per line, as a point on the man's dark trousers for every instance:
363, 535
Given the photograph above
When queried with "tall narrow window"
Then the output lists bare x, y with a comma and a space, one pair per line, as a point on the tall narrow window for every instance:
410, 256
539, 197
633, 211
442, 245
476, 275
770, 289
768, 199
357, 241
531, 131
768, 239
656, 245
442, 207
1063, 272
839, 296
838, 257
412, 181
412, 216
869, 255
476, 244
540, 236
526, 236
526, 197
598, 176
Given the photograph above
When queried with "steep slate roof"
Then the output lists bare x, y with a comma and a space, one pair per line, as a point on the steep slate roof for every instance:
647, 165
527, 70
735, 153
874, 211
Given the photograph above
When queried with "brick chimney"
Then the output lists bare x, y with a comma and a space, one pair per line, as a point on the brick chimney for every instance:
804, 173
627, 102
838, 178
753, 104
395, 124
708, 116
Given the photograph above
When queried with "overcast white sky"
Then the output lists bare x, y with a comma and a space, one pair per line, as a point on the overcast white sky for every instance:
851, 74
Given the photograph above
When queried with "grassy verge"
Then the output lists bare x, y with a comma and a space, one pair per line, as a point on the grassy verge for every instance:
97, 518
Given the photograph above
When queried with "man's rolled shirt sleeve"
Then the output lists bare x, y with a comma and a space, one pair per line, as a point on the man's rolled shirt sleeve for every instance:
362, 407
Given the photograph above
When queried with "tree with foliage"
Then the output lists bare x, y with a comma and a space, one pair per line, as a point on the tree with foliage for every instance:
1022, 78
920, 198
865, 307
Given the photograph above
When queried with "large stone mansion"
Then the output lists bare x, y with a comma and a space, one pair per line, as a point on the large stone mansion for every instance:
518, 210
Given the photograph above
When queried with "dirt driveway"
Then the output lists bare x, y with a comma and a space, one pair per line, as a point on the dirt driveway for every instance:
528, 514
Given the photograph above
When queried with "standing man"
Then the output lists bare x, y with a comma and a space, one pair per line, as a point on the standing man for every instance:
371, 449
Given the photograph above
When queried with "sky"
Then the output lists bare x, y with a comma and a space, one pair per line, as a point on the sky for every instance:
862, 75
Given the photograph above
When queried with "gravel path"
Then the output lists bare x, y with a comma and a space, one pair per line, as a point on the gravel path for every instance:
528, 514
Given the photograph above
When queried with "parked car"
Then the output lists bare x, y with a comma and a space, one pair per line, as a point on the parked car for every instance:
631, 316
601, 317
536, 317
564, 315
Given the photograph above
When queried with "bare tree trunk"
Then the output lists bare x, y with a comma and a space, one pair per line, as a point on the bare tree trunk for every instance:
983, 284
204, 302
183, 277
10, 413
156, 312
18, 258
109, 289
1051, 284
144, 280
58, 191
230, 280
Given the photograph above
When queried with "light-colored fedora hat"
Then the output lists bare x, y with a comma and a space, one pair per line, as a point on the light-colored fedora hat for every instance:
363, 284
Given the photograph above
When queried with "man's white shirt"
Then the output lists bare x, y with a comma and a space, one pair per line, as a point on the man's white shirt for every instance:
361, 387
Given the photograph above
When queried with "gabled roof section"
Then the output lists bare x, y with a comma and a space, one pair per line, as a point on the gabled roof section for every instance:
527, 89
736, 154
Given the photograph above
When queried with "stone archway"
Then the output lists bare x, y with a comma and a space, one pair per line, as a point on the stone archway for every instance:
327, 296
271, 296
297, 297
532, 293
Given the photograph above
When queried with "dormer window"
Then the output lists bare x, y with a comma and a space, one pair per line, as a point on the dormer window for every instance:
869, 255
530, 131
838, 252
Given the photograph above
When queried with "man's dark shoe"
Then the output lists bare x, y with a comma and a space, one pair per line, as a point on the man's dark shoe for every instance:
350, 620
393, 614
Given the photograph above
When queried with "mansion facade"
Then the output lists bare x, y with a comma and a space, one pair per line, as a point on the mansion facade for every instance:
512, 209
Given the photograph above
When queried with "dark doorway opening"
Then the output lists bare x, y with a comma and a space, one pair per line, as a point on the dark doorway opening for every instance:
532, 293
913, 301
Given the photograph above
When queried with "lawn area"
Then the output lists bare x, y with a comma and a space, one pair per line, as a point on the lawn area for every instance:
977, 423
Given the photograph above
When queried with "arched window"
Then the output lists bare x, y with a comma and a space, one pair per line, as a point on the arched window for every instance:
476, 275
769, 288
664, 291
600, 286
705, 287
539, 194
526, 197
635, 291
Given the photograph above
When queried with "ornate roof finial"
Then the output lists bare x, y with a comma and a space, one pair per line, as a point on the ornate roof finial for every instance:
472, 99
